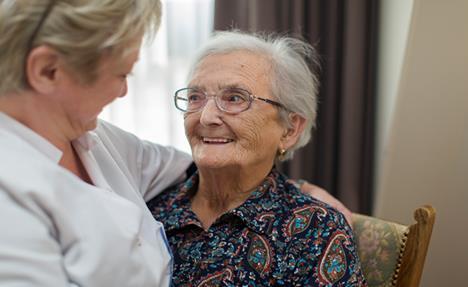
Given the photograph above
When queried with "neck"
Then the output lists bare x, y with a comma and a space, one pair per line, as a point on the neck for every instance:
72, 162
45, 119
221, 190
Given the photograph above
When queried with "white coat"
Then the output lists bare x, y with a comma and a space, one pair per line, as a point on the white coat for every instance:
56, 230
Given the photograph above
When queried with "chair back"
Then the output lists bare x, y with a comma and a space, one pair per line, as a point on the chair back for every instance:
393, 254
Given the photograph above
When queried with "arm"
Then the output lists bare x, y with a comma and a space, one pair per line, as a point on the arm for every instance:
160, 168
29, 255
151, 166
322, 195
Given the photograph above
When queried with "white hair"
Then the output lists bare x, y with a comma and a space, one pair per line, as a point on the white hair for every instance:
293, 83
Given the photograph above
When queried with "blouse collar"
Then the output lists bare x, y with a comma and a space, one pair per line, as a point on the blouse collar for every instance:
265, 202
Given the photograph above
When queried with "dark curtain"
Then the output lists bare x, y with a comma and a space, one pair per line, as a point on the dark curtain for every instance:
340, 156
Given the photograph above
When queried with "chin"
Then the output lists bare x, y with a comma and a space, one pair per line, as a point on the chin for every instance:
212, 157
210, 162
91, 125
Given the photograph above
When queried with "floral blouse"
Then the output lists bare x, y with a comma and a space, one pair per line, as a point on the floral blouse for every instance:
277, 237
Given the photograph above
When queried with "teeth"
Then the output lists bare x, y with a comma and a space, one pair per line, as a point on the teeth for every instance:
216, 140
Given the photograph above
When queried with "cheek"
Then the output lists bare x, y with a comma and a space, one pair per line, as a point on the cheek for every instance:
260, 133
111, 88
189, 126
251, 134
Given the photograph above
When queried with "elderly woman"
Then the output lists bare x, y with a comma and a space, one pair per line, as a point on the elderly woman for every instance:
251, 101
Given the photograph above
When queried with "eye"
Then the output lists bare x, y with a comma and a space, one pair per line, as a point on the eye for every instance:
126, 76
234, 97
195, 96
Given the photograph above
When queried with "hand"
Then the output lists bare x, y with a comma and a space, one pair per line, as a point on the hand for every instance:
322, 195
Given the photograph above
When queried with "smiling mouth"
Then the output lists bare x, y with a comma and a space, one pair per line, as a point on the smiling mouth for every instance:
216, 140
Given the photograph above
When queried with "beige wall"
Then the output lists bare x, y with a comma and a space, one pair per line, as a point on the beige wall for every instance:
425, 156
395, 17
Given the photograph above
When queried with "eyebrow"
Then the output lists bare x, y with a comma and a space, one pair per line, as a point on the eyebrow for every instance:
222, 87
233, 86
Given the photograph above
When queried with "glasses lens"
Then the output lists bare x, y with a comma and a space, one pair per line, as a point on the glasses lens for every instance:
234, 100
189, 99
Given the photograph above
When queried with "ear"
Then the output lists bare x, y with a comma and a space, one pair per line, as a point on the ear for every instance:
41, 69
292, 133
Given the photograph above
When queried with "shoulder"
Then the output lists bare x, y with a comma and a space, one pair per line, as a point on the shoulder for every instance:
114, 137
297, 204
34, 183
305, 221
109, 133
321, 240
305, 215
129, 145
20, 160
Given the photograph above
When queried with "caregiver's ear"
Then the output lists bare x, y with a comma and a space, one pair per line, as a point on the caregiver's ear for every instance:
41, 68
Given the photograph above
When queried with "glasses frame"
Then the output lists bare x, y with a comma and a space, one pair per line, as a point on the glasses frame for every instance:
36, 30
216, 96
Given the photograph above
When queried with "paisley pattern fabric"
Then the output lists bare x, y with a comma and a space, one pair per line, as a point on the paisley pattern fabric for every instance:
277, 237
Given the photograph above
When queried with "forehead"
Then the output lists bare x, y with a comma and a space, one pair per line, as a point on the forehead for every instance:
239, 68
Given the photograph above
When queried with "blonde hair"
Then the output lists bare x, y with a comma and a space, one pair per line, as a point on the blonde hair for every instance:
80, 30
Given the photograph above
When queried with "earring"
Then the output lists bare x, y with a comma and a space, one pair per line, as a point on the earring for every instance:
282, 153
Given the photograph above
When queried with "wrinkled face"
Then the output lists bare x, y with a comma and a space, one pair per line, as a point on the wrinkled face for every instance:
249, 139
84, 102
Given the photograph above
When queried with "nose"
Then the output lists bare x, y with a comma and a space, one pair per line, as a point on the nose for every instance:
123, 90
210, 113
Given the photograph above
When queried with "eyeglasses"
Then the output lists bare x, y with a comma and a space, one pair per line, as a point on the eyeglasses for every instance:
229, 100
38, 28
40, 23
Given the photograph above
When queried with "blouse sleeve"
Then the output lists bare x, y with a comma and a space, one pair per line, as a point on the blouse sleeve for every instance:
329, 255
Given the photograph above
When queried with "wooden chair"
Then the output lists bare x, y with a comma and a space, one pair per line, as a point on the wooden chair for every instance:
393, 254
